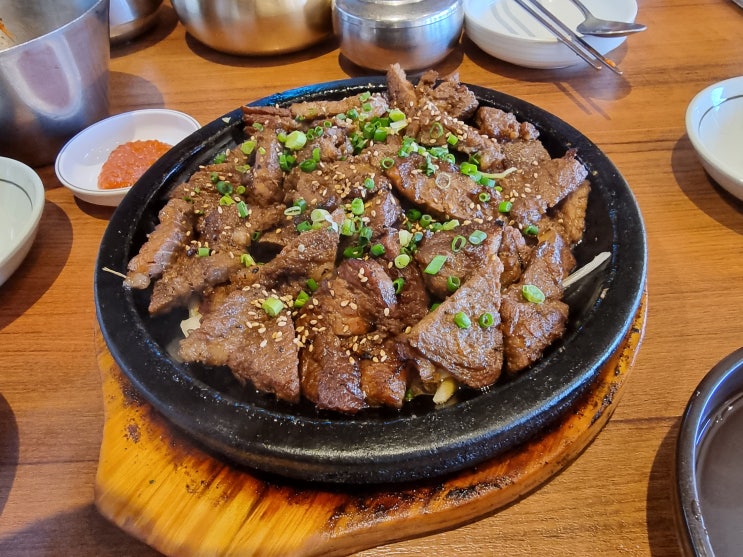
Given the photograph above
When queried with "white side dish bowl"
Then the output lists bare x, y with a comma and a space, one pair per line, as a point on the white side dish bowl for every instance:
21, 205
80, 160
506, 31
714, 123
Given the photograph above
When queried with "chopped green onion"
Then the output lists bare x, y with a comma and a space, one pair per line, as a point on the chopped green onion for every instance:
214, 177
532, 294
240, 190
304, 226
312, 284
242, 210
450, 224
272, 306
413, 214
357, 206
468, 169
286, 162
531, 230
505, 206
462, 320
366, 107
247, 146
453, 283
387, 163
426, 220
308, 165
301, 299
434, 306
365, 235
353, 252
369, 183
223, 187
486, 320
458, 243
203, 252
402, 261
437, 130
452, 139
281, 137
396, 115
380, 135
258, 126
296, 140
348, 228
220, 158
293, 211
262, 150
226, 200
435, 265
484, 197
365, 96
485, 181
377, 250
477, 237
247, 260
398, 283
405, 237
255, 235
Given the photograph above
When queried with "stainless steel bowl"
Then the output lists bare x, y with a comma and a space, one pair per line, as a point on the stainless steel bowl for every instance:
131, 18
53, 74
256, 27
414, 33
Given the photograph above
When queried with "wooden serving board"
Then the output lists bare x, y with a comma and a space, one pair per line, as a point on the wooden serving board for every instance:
161, 488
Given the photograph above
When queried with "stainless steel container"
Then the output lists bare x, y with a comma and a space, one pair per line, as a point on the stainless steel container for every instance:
256, 27
131, 18
53, 74
414, 33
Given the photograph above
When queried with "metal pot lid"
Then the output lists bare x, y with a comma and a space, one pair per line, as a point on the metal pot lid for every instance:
395, 13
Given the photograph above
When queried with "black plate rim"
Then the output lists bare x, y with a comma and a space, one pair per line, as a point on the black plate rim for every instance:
351, 450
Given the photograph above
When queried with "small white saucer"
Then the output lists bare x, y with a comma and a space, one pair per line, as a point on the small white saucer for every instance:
506, 31
80, 160
714, 123
21, 205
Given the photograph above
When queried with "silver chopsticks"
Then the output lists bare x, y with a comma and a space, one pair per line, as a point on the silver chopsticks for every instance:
568, 37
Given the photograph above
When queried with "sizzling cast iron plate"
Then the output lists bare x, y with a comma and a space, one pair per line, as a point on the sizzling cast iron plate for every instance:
378, 445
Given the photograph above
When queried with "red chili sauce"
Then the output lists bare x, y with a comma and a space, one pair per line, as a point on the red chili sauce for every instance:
129, 161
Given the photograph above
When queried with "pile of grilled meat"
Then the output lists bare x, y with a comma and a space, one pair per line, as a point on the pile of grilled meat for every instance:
360, 251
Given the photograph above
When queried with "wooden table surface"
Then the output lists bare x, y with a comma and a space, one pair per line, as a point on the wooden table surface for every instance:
615, 499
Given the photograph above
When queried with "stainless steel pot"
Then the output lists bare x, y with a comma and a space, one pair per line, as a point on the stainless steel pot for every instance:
53, 74
256, 27
414, 33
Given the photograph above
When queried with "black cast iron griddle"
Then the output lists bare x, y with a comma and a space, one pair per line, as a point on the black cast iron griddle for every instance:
377, 445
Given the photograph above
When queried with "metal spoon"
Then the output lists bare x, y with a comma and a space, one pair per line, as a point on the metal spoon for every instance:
604, 27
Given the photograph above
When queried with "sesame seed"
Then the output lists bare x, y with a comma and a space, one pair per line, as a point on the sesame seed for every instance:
263, 343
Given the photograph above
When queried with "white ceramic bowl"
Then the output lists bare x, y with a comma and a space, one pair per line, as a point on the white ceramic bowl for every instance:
21, 205
80, 160
714, 123
506, 31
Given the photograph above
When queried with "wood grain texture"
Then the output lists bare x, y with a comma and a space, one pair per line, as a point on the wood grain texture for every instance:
614, 500
157, 485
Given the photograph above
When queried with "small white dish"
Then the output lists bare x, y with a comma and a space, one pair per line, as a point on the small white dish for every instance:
79, 162
21, 205
506, 31
714, 123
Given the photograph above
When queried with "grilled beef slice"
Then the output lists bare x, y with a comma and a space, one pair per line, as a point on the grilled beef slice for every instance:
256, 347
529, 328
535, 190
167, 240
472, 355
463, 263
448, 94
503, 126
